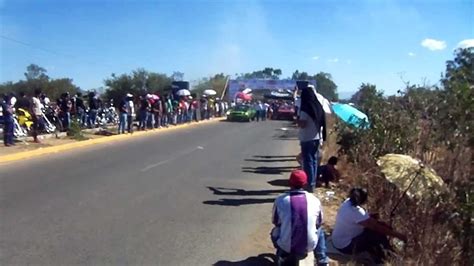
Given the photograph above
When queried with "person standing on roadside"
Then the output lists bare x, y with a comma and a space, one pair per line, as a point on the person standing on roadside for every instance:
93, 109
312, 123
122, 116
65, 106
36, 114
80, 109
23, 102
258, 110
130, 107
158, 113
194, 109
144, 110
8, 122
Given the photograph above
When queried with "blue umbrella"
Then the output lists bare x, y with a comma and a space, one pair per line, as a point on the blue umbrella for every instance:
350, 115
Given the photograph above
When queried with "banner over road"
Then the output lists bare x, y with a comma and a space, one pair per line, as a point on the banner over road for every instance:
261, 86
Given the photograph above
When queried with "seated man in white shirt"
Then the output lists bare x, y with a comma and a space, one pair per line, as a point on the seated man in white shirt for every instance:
298, 216
356, 231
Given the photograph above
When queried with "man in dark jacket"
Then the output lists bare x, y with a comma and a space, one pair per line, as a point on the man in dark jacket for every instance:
94, 105
80, 109
8, 123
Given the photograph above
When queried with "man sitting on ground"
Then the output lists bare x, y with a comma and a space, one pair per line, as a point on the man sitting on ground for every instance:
298, 216
328, 172
356, 231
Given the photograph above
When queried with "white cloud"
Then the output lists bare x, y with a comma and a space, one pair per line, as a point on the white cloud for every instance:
466, 43
433, 44
315, 57
334, 60
411, 54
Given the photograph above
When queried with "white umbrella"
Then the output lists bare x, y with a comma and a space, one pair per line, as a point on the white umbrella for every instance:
325, 103
247, 90
210, 92
183, 93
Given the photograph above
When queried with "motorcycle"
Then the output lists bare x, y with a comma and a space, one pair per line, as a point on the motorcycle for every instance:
107, 116
25, 119
53, 118
48, 126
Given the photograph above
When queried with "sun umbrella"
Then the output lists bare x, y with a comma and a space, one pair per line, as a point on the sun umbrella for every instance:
247, 91
244, 96
183, 93
410, 175
210, 92
325, 103
350, 115
155, 97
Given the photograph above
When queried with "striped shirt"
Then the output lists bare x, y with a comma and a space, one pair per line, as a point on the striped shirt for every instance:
297, 215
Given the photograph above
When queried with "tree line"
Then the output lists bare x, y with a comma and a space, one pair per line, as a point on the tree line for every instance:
141, 81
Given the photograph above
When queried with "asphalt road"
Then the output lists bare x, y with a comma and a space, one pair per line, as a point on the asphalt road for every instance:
193, 196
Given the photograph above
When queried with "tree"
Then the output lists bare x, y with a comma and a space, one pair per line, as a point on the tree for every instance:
139, 82
217, 83
266, 73
324, 83
36, 78
326, 86
35, 72
177, 76
300, 76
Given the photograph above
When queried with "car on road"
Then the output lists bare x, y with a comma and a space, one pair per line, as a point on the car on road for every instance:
241, 113
284, 112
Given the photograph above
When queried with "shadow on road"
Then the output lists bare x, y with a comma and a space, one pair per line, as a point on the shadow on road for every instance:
277, 170
279, 182
266, 259
271, 160
243, 192
238, 202
274, 156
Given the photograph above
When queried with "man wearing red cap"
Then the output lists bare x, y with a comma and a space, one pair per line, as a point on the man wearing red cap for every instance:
298, 216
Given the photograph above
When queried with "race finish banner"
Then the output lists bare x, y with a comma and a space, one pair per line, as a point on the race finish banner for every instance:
261, 86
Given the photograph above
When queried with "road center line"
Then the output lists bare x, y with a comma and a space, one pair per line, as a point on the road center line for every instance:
151, 166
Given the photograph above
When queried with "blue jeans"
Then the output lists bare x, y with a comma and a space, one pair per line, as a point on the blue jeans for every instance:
92, 117
150, 121
8, 131
66, 117
143, 120
129, 123
158, 120
122, 123
164, 120
319, 252
310, 154
81, 116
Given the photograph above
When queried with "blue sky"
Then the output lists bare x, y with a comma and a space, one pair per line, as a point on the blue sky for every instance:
381, 42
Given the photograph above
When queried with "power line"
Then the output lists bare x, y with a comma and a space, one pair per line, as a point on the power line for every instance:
29, 45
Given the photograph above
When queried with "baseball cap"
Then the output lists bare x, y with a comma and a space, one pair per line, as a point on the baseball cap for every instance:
298, 179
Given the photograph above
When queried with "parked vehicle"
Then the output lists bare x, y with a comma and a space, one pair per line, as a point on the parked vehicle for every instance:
284, 112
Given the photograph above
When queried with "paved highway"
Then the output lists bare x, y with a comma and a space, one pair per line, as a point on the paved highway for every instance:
191, 196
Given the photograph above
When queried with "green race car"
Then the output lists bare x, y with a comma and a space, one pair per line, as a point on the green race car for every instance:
241, 113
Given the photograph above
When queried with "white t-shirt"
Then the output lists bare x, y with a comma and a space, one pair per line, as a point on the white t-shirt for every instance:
36, 106
309, 132
347, 224
297, 215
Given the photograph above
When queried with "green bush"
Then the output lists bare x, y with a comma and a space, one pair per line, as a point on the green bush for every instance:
436, 126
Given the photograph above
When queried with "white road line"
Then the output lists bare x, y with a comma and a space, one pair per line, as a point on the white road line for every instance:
151, 166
